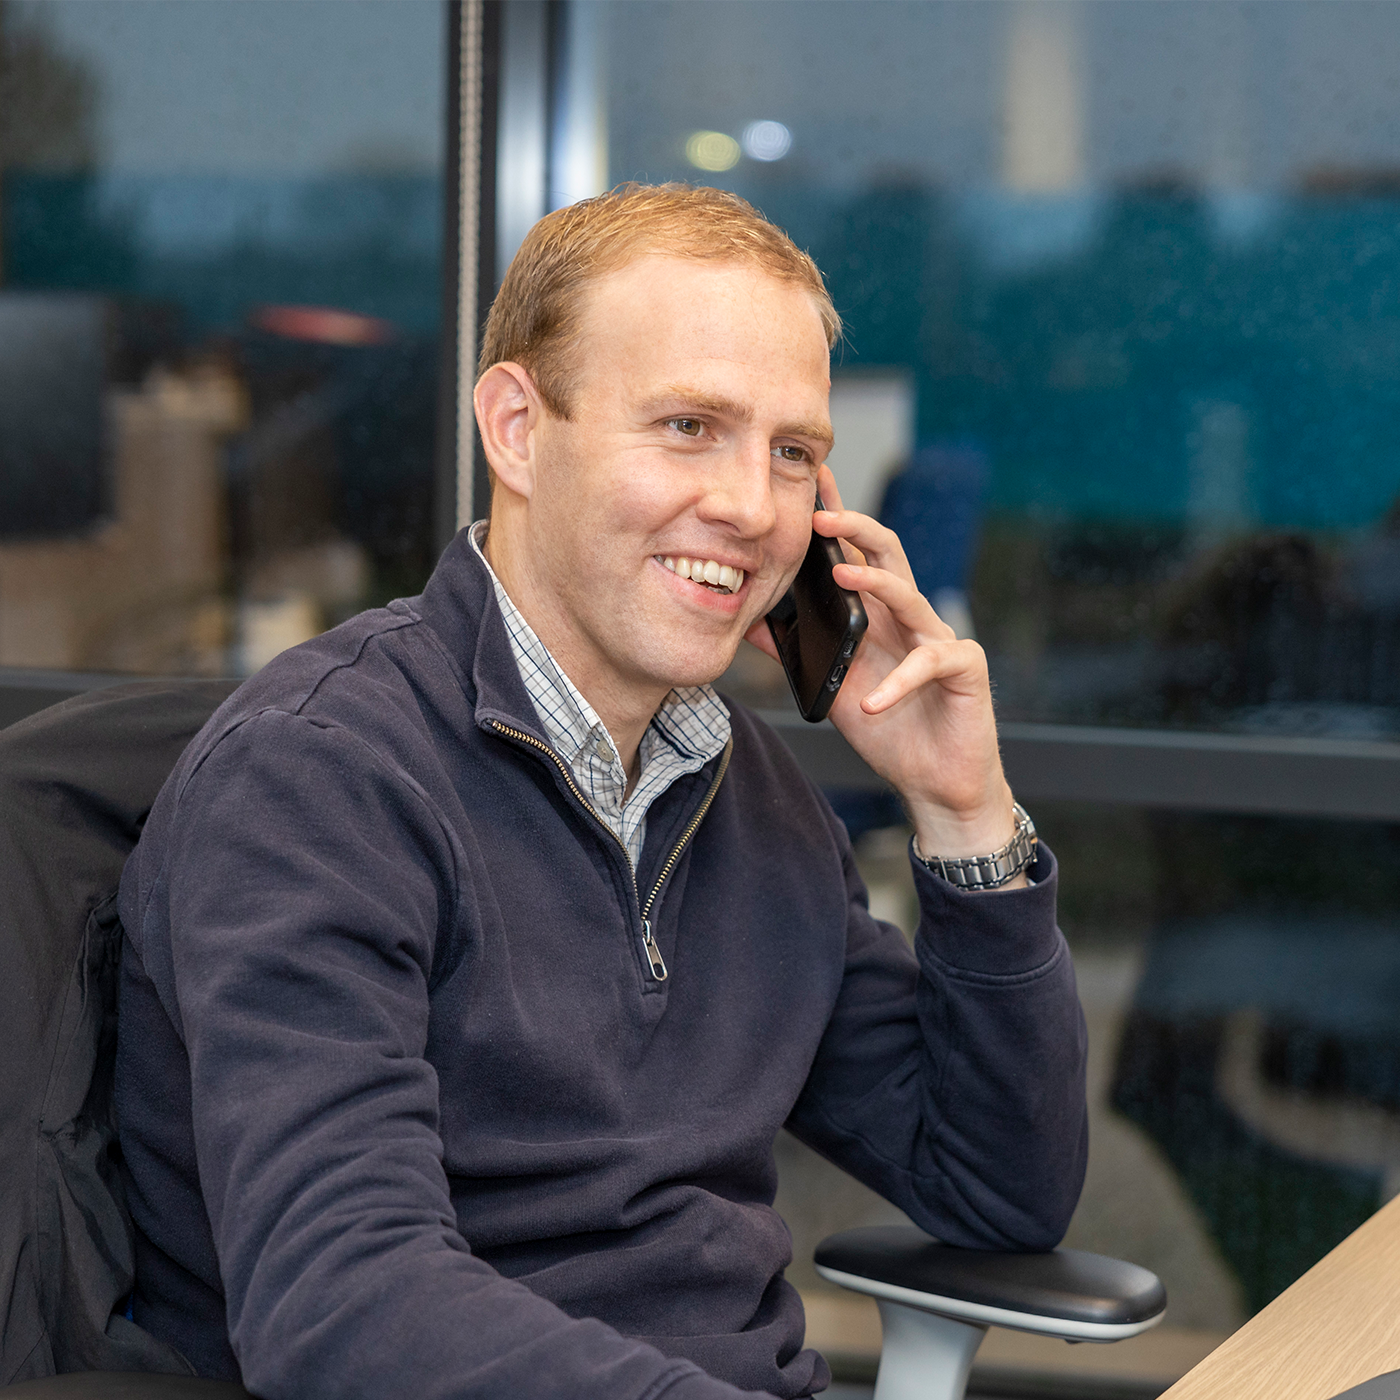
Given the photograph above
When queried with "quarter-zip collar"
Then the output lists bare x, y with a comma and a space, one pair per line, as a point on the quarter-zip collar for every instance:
690, 728
461, 606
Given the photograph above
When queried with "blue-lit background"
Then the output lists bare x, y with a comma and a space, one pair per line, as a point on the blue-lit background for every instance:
236, 213
1143, 261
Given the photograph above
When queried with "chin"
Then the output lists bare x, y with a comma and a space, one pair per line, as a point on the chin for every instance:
690, 668
700, 675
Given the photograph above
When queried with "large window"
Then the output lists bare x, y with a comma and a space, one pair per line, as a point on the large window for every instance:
220, 294
1121, 285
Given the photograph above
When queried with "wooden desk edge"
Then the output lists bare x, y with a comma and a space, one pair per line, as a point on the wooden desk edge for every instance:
1335, 1327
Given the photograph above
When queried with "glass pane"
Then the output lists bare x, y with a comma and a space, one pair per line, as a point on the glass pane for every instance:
1244, 1071
220, 251
1119, 288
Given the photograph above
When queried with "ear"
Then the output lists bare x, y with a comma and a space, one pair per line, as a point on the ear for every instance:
508, 409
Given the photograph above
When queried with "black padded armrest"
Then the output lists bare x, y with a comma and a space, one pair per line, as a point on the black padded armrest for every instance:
1066, 1292
124, 1385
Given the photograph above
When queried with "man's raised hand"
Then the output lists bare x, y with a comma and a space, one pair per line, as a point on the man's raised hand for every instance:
916, 703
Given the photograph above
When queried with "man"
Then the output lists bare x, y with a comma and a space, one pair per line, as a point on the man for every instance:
478, 950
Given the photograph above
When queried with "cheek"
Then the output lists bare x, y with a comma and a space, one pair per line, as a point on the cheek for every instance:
578, 505
646, 497
787, 549
794, 531
645, 503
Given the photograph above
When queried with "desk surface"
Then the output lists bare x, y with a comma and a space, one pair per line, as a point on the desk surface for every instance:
1337, 1326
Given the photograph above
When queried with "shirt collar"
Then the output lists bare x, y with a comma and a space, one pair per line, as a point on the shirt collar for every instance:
692, 721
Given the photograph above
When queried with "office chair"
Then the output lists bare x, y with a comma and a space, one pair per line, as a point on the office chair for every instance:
76, 783
936, 1302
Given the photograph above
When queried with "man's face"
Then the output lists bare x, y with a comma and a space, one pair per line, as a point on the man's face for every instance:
699, 420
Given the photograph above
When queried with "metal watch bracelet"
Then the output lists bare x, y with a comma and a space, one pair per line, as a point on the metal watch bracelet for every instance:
988, 872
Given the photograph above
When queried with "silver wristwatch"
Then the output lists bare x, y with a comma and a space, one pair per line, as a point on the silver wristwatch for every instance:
988, 872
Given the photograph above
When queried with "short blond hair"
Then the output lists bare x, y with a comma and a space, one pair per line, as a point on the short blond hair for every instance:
534, 320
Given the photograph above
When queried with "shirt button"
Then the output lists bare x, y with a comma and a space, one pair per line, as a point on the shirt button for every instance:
604, 750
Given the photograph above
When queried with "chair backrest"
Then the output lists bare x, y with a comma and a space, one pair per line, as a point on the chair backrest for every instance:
76, 783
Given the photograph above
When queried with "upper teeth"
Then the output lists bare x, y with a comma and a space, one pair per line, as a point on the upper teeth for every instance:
706, 571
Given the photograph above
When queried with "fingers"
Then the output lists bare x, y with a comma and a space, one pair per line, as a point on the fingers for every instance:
878, 544
900, 594
827, 488
959, 666
830, 495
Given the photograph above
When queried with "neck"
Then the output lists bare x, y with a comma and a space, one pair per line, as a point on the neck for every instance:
625, 710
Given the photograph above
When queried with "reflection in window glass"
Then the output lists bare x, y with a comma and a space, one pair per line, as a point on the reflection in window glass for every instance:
220, 232
1120, 290
1244, 1062
1119, 283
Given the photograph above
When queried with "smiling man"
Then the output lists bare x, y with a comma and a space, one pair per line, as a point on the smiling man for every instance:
478, 949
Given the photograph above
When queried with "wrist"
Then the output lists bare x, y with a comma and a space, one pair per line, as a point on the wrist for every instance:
952, 834
1004, 867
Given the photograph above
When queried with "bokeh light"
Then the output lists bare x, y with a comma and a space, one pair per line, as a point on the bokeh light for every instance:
712, 150
766, 140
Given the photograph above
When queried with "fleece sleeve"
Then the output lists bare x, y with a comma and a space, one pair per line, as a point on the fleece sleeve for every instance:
307, 881
951, 1080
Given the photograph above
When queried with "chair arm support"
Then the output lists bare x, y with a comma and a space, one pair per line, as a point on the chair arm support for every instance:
1065, 1293
124, 1385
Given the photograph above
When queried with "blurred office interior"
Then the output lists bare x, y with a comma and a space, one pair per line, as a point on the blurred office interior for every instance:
1121, 286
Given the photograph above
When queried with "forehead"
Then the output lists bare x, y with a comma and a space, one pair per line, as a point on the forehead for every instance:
659, 314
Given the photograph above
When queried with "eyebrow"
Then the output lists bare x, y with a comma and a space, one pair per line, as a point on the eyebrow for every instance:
722, 407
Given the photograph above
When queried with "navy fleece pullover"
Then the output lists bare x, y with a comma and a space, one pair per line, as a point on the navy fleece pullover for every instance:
404, 1111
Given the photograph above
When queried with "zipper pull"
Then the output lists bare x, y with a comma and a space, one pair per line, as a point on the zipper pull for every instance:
658, 963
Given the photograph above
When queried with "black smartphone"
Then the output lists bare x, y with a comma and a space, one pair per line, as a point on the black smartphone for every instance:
817, 626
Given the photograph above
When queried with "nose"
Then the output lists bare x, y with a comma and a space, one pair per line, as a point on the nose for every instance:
739, 492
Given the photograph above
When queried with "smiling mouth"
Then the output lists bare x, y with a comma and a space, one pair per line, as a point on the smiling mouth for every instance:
719, 578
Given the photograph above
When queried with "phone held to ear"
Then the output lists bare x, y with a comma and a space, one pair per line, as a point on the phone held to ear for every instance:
817, 626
